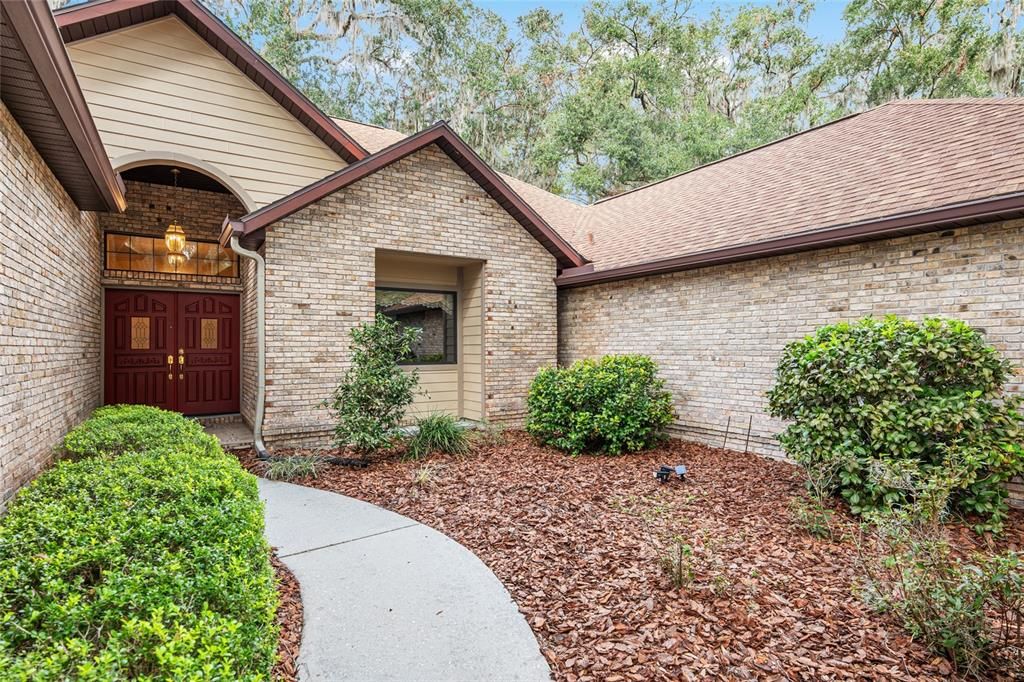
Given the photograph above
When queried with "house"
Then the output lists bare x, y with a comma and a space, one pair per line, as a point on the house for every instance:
183, 228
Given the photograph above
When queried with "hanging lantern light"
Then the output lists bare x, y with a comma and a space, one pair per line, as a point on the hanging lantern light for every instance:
174, 237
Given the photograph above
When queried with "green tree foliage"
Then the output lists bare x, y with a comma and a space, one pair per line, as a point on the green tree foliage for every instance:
612, 405
897, 404
642, 89
370, 402
914, 48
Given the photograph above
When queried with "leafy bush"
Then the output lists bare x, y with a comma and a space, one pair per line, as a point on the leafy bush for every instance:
369, 403
293, 466
613, 405
437, 433
116, 429
893, 401
969, 610
147, 565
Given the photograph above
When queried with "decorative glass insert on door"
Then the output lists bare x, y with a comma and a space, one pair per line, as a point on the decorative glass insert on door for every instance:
135, 253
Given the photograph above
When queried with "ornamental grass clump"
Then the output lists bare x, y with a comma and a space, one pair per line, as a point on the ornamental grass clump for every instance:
913, 399
370, 402
437, 433
612, 405
148, 564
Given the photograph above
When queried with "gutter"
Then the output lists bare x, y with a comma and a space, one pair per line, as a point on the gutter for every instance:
955, 215
261, 344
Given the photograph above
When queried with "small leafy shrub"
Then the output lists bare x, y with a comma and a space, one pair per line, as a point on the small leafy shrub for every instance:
968, 610
811, 514
677, 562
613, 405
294, 466
437, 433
370, 402
116, 429
147, 565
894, 395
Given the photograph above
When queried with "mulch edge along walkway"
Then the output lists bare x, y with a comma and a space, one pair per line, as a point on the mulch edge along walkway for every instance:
289, 620
579, 544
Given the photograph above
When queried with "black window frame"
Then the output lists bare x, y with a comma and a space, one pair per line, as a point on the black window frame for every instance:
455, 321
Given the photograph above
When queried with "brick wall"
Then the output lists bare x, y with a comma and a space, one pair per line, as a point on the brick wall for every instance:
717, 332
49, 311
320, 283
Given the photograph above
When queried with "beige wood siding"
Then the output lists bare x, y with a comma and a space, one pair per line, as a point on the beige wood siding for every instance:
159, 88
471, 355
439, 388
416, 273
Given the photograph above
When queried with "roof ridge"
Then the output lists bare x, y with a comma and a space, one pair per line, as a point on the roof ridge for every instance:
368, 125
957, 101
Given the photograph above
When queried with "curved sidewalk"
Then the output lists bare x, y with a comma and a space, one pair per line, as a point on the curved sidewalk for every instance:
387, 598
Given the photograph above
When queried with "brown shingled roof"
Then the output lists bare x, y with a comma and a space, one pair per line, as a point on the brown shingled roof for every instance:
907, 166
901, 159
252, 227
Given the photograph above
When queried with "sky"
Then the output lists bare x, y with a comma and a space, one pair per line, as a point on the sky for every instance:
826, 22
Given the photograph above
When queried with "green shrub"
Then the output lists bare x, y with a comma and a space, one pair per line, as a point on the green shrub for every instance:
968, 610
613, 405
369, 403
116, 429
147, 565
894, 402
437, 433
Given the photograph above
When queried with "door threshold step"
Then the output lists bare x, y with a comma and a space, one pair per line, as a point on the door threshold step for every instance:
216, 419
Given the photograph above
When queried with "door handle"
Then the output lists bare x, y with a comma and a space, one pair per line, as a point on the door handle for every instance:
181, 363
170, 368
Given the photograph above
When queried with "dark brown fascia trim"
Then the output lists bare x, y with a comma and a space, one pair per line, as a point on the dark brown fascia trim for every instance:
253, 226
34, 25
275, 85
918, 221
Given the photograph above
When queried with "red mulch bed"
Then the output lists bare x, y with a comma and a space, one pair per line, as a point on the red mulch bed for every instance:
289, 620
578, 543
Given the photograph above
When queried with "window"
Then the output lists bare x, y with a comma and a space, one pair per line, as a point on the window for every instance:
136, 253
432, 312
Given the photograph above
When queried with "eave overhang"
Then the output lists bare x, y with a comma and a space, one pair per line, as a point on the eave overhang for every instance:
993, 209
41, 91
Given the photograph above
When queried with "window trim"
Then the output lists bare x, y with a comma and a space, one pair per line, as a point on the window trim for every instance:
455, 321
122, 233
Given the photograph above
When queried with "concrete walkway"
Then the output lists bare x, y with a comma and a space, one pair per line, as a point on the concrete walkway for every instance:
387, 598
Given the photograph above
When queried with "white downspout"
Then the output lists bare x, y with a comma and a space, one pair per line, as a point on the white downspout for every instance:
261, 350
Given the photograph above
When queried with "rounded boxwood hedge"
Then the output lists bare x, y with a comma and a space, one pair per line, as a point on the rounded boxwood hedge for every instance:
142, 559
611, 405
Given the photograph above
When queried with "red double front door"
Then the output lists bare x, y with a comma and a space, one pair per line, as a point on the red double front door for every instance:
175, 350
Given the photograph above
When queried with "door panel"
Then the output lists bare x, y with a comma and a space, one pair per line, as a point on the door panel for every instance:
208, 336
139, 327
198, 332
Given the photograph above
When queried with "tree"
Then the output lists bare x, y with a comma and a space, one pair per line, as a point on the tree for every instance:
913, 48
